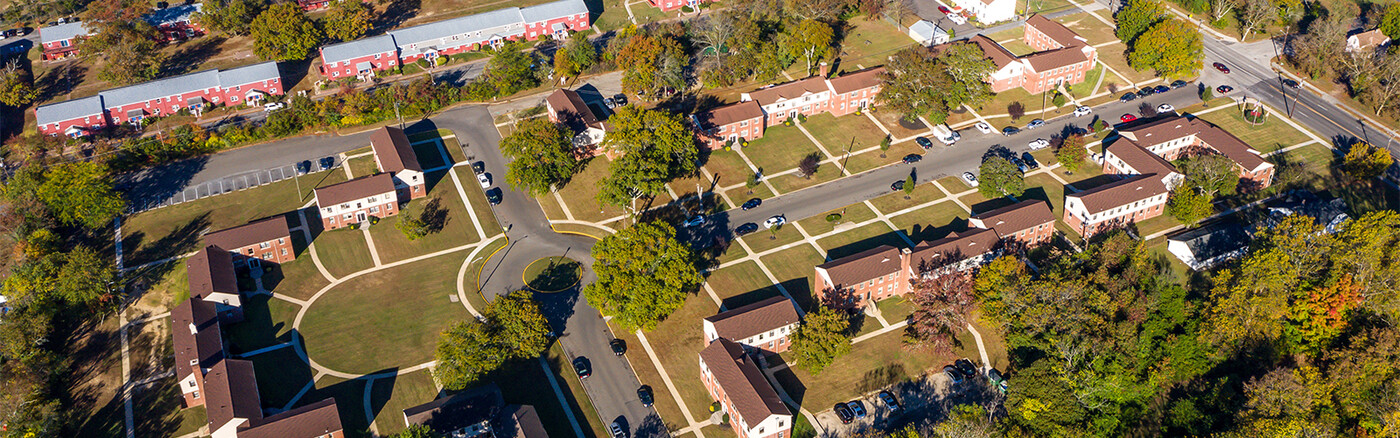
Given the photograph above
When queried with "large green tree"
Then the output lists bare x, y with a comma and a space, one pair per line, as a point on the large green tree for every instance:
821, 338
348, 20
808, 40
1213, 174
541, 154
998, 177
1364, 161
1189, 204
648, 62
283, 33
233, 17
1171, 47
644, 274
511, 70
1135, 17
577, 55
75, 193
1390, 22
656, 148
512, 328
124, 40
918, 82
15, 88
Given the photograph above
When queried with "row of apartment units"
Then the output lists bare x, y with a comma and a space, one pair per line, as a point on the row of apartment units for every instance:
174, 23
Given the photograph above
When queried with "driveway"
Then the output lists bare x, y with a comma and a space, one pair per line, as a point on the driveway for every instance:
922, 400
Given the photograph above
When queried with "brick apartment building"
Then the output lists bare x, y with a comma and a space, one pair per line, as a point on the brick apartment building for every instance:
1116, 204
61, 41
733, 380
671, 5
212, 278
766, 325
838, 96
1061, 57
885, 271
199, 344
357, 200
261, 241
565, 107
1028, 223
395, 155
729, 124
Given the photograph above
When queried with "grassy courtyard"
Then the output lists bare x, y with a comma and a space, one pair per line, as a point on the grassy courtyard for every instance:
445, 215
780, 149
1272, 135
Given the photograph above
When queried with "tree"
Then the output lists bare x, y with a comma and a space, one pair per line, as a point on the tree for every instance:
1221, 8
1383, 86
1016, 110
918, 82
283, 33
1207, 94
417, 431
1188, 205
809, 40
644, 274
645, 59
14, 89
1251, 301
510, 70
967, 421
1000, 178
233, 17
909, 186
1171, 47
541, 154
942, 302
512, 328
1071, 153
1318, 317
1212, 174
1390, 22
811, 10
124, 40
348, 20
577, 55
808, 165
1364, 161
77, 193
1059, 100
1256, 14
821, 338
656, 148
1135, 17
518, 324
413, 228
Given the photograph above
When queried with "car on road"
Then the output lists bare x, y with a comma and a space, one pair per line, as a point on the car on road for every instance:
479, 167
889, 400
1145, 91
752, 203
1035, 124
775, 221
616, 430
581, 367
484, 179
1019, 164
953, 374
912, 158
327, 163
984, 127
1221, 67
1029, 159
304, 167
620, 98
494, 196
1224, 89
923, 142
1290, 83
1165, 108
610, 103
957, 18
1010, 130
944, 10
273, 106
696, 220
1038, 144
1161, 89
1127, 118
644, 394
966, 366
857, 408
970, 179
619, 347
1179, 83
844, 413
897, 186
1081, 111
1129, 97
746, 228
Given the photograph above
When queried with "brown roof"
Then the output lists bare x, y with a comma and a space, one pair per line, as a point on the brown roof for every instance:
760, 317
1056, 31
1119, 193
752, 396
527, 422
1229, 145
862, 266
310, 421
1053, 59
393, 150
790, 90
211, 270
954, 248
572, 110
1370, 38
362, 187
231, 391
252, 233
197, 335
733, 113
857, 80
1141, 160
995, 52
459, 410
1016, 217
1159, 131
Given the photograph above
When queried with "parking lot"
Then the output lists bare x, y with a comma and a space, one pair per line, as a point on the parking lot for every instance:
233, 183
920, 402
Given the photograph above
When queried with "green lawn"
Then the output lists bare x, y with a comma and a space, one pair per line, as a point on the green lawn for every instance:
794, 269
297, 279
891, 121
266, 322
393, 395
1046, 188
932, 222
385, 320
614, 16
868, 42
998, 103
781, 148
646, 13
851, 214
1113, 56
791, 182
895, 309
344, 251
677, 342
1018, 47
581, 193
1272, 135
871, 364
727, 166
768, 238
1086, 88
895, 201
840, 133
477, 196
868, 160
860, 239
1089, 27
361, 166
442, 210
170, 284
979, 203
281, 374
1156, 224
741, 284
734, 252
551, 207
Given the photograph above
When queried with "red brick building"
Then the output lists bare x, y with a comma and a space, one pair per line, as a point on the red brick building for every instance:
733, 380
883, 272
765, 325
61, 41
567, 108
394, 154
357, 200
1116, 204
1061, 57
1028, 223
199, 344
213, 279
838, 96
265, 240
729, 124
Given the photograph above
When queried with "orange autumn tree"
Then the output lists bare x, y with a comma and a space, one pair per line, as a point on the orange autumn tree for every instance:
1319, 315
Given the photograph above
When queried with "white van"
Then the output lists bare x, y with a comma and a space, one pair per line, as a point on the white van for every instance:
945, 134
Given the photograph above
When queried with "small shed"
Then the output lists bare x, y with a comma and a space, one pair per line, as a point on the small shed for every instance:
927, 34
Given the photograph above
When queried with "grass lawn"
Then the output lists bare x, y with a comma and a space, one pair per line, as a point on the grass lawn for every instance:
860, 239
581, 193
893, 202
868, 42
868, 160
1018, 47
954, 185
734, 252
895, 309
992, 340
479, 204
552, 210
344, 251
742, 194
442, 210
349, 398
793, 268
979, 203
1041, 6
281, 374
871, 364
1272, 135
1114, 57
1156, 224
552, 274
741, 284
361, 166
407, 306
932, 222
393, 395
780, 149
297, 279
1089, 27
852, 214
893, 121
677, 342
768, 238
1086, 88
157, 411
614, 16
838, 133
999, 101
1045, 188
430, 154
1013, 33
266, 322
727, 166
791, 182
645, 13
170, 285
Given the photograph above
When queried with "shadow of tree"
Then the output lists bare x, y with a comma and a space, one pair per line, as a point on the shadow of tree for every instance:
434, 215
191, 55
180, 241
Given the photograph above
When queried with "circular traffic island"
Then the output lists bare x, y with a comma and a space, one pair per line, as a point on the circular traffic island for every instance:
552, 274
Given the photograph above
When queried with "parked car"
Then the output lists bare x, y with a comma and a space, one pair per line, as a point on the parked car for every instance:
746, 228
774, 221
1019, 165
912, 158
327, 163
1179, 83
1035, 124
966, 366
957, 18
1165, 108
1127, 118
619, 347
1082, 111
484, 179
479, 167
581, 367
1129, 97
1224, 89
923, 142
844, 413
1145, 91
644, 394
752, 203
620, 98
1029, 159
970, 179
1010, 130
944, 10
984, 127
1161, 89
1290, 83
953, 374
616, 430
272, 106
696, 220
304, 167
608, 101
494, 196
945, 134
857, 408
1039, 144
1221, 67
997, 379
889, 400
897, 186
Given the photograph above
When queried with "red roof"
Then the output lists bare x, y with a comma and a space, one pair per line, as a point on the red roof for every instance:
857, 80
752, 396
954, 248
255, 232
1015, 217
1119, 193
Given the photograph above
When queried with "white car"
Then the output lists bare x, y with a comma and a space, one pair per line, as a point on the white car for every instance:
1165, 108
1082, 111
957, 18
484, 179
696, 220
273, 106
984, 127
774, 221
1039, 144
970, 179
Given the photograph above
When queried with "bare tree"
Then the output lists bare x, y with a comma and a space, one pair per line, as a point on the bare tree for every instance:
822, 10
714, 34
1256, 14
1220, 8
1385, 87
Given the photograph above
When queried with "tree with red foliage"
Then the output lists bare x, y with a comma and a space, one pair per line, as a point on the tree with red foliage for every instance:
942, 306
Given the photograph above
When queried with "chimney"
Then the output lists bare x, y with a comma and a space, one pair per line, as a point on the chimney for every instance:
823, 69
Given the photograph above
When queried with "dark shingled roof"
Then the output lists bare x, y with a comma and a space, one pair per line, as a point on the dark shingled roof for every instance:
727, 114
572, 110
1140, 159
527, 421
760, 317
393, 150
1119, 193
1215, 240
1056, 31
1053, 59
857, 80
308, 421
1229, 145
231, 391
814, 84
362, 187
252, 233
862, 266
204, 343
210, 271
1016, 217
459, 410
752, 396
995, 52
954, 248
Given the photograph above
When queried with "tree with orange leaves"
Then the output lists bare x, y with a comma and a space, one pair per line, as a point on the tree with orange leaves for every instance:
1319, 315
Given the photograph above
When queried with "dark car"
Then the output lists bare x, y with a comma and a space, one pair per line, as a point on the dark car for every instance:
844, 413
912, 158
923, 142
752, 203
479, 167
304, 167
889, 400
494, 196
1145, 91
1221, 67
644, 394
619, 347
1161, 89
953, 374
1178, 83
1224, 89
582, 368
966, 367
1019, 165
746, 228
1010, 130
1029, 160
327, 163
897, 186
608, 101
857, 407
620, 98
1128, 97
1290, 83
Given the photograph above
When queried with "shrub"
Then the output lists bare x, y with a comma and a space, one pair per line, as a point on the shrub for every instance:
687, 9
833, 217
802, 118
